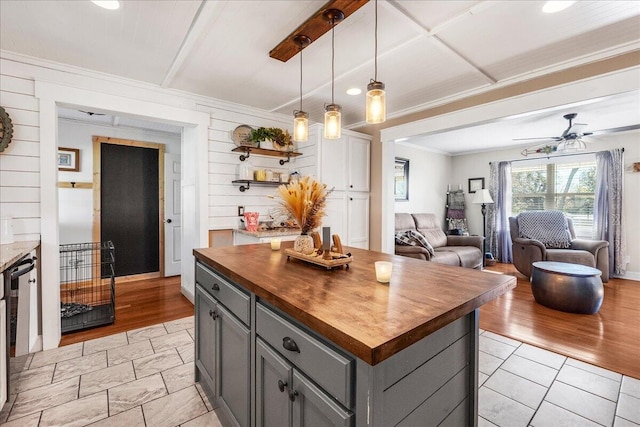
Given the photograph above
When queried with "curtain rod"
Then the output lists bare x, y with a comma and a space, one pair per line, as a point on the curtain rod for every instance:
559, 155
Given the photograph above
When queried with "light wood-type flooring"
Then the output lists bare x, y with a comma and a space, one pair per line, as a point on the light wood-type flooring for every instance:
609, 339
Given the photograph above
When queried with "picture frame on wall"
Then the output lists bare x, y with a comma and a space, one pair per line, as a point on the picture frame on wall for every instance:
68, 159
401, 179
475, 184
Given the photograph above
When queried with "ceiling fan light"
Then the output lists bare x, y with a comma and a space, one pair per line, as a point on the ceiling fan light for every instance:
376, 110
332, 118
556, 6
107, 4
300, 126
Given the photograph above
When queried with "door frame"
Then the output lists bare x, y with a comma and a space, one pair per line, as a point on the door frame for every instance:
164, 107
97, 185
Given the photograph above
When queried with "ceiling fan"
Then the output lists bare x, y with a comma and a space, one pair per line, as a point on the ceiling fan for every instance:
571, 138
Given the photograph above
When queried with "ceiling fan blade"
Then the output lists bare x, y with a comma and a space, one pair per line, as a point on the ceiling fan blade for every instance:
614, 130
550, 138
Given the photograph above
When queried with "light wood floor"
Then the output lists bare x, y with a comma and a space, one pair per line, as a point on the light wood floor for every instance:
609, 339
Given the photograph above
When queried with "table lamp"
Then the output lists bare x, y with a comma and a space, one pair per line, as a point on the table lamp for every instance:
483, 198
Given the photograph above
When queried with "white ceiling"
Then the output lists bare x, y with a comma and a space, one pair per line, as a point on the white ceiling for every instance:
430, 52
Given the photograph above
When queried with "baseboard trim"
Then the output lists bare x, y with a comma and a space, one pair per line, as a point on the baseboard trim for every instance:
629, 275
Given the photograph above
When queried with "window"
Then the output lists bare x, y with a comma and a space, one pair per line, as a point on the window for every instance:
568, 187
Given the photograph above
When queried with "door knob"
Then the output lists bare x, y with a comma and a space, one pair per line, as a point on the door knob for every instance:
169, 221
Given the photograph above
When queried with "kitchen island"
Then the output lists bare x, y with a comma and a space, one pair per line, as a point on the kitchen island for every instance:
278, 339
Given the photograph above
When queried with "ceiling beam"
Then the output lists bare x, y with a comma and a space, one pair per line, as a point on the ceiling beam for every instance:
314, 28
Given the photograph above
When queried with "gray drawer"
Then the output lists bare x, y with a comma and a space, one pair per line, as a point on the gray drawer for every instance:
232, 297
328, 368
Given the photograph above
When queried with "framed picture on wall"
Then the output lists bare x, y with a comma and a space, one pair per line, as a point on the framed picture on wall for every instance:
475, 184
68, 159
401, 179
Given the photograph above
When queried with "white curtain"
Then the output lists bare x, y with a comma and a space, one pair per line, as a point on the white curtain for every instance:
498, 235
607, 209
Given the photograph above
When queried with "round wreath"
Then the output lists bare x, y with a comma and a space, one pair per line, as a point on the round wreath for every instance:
6, 129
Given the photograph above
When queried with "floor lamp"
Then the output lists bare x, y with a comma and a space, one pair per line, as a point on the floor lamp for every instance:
483, 198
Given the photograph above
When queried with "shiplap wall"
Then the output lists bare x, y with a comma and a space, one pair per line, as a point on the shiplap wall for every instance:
20, 161
224, 197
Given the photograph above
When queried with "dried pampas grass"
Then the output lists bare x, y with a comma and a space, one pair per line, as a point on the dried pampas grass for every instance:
305, 201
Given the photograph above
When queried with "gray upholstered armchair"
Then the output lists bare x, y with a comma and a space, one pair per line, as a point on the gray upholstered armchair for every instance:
526, 251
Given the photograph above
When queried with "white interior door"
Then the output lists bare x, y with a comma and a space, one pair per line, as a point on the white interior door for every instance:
172, 215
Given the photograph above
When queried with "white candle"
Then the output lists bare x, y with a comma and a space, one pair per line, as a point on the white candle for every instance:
275, 244
383, 271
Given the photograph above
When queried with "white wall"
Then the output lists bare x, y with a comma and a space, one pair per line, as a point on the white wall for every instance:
429, 177
75, 205
477, 165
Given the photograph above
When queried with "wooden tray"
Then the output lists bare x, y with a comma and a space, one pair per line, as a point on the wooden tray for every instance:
318, 260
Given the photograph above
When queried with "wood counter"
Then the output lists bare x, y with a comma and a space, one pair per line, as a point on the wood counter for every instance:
371, 320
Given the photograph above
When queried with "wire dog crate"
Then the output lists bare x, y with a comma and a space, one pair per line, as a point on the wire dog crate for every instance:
87, 285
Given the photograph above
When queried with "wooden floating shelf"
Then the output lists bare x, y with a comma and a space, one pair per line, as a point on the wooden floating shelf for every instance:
265, 152
246, 184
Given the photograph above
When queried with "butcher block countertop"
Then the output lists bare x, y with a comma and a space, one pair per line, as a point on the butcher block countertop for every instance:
371, 320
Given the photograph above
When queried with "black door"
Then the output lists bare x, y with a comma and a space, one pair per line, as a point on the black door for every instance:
129, 207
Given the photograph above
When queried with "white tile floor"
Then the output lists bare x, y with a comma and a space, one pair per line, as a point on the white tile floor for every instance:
145, 378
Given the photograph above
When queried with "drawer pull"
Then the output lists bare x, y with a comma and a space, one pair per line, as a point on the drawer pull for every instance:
290, 344
213, 314
281, 385
292, 395
215, 287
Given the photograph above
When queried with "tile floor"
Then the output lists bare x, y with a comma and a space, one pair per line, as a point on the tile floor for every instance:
144, 377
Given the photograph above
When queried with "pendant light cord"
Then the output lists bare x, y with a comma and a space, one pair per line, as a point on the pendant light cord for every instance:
301, 76
333, 54
375, 73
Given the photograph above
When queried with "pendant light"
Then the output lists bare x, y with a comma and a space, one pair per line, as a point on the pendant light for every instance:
301, 118
376, 110
332, 111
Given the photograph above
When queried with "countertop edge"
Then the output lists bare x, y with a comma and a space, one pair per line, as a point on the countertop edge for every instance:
12, 252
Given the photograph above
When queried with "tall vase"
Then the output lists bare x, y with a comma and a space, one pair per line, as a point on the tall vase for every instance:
303, 244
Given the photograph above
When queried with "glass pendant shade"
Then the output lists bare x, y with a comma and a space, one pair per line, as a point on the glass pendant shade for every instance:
300, 126
332, 118
376, 110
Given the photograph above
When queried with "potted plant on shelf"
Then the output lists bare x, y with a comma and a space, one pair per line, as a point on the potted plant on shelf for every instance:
272, 138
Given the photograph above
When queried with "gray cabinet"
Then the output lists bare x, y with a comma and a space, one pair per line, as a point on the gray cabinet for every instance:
223, 345
206, 340
285, 397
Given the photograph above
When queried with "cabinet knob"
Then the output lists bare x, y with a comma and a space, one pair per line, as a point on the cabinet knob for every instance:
350, 198
213, 314
32, 280
292, 395
290, 344
351, 186
281, 385
169, 221
216, 287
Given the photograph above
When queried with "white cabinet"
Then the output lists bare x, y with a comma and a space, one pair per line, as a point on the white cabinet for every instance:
344, 165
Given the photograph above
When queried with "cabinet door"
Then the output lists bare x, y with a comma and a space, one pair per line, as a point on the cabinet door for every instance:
4, 374
206, 341
312, 406
234, 345
333, 163
336, 217
358, 220
273, 378
359, 164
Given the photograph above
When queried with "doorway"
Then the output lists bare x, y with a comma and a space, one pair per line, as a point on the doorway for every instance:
128, 204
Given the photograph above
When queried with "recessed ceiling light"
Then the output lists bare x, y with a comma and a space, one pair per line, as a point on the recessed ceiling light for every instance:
107, 4
556, 6
354, 91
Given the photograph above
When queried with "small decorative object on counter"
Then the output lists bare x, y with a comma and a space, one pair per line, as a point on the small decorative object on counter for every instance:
251, 221
383, 271
275, 244
305, 201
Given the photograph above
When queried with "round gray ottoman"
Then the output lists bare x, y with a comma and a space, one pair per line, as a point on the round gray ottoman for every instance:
573, 288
